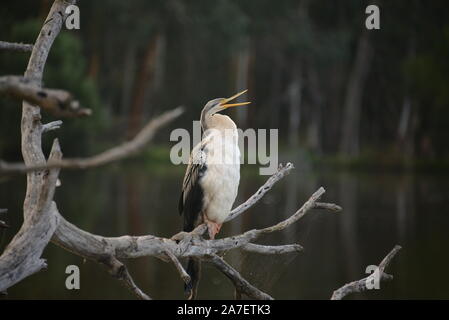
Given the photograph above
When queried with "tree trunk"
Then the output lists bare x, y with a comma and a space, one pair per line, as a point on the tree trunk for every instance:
406, 124
129, 71
142, 85
294, 102
314, 125
349, 143
157, 74
276, 93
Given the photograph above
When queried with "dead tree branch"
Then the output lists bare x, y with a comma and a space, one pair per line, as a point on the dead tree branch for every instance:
327, 206
57, 102
262, 249
21, 257
182, 245
240, 284
54, 125
117, 153
361, 285
282, 171
182, 272
30, 123
18, 47
118, 270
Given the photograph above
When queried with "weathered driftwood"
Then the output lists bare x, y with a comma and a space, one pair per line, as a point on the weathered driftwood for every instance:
58, 102
361, 285
18, 47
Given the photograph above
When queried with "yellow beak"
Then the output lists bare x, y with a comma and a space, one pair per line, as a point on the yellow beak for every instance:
225, 105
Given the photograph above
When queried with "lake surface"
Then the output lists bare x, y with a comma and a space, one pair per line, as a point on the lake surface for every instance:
380, 210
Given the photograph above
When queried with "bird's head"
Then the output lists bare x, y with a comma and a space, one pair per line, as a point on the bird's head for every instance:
220, 104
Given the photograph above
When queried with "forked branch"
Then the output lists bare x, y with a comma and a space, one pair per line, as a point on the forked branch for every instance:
183, 245
361, 285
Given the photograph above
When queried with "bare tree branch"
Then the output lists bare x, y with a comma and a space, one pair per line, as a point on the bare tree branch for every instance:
182, 272
182, 245
262, 249
18, 47
22, 257
241, 285
30, 123
282, 171
95, 247
54, 125
327, 206
360, 285
117, 153
118, 270
57, 102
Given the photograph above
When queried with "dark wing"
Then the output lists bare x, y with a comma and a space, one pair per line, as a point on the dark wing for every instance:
191, 199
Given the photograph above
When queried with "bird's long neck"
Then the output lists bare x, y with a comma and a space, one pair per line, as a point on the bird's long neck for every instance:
205, 120
217, 122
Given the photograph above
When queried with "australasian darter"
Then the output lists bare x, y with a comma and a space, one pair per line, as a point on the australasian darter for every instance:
212, 177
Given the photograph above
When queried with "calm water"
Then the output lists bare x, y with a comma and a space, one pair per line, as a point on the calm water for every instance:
380, 210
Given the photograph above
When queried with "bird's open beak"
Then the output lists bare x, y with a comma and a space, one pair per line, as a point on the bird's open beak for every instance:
224, 103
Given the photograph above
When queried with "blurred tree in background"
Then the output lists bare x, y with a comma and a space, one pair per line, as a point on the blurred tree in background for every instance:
311, 67
66, 69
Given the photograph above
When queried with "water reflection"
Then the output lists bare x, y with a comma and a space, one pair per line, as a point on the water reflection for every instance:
380, 210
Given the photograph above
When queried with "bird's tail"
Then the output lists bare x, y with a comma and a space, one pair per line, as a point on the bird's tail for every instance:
194, 271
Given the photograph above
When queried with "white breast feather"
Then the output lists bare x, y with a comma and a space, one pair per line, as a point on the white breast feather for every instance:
221, 181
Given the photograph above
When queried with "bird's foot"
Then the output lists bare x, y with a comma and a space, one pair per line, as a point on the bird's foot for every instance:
180, 236
213, 228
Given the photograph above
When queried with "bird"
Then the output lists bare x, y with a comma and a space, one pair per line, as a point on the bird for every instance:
212, 177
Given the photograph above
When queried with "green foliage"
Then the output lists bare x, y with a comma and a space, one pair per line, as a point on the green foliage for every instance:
65, 69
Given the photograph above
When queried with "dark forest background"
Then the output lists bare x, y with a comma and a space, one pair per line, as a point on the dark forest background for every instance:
333, 88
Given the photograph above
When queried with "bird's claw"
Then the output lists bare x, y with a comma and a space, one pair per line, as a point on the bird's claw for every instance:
180, 236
